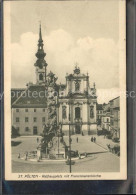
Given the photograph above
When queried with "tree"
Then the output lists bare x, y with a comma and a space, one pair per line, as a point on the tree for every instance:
14, 132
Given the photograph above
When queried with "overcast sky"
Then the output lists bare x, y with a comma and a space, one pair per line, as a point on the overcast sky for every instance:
73, 31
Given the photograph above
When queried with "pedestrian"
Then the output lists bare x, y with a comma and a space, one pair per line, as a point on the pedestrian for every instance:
91, 139
70, 140
26, 155
77, 139
94, 139
37, 139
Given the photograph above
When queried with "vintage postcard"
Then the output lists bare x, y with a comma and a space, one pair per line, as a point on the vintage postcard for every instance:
65, 90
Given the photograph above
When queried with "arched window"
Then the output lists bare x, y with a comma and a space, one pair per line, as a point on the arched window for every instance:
77, 86
77, 112
41, 77
91, 111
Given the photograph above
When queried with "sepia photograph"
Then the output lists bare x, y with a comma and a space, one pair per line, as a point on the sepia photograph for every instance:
65, 90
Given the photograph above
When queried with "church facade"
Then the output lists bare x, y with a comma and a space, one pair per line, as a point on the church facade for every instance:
76, 100
77, 104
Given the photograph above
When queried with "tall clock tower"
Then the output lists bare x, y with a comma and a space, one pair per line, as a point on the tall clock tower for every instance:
40, 62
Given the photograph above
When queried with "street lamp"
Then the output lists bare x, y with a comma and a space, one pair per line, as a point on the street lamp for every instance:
69, 141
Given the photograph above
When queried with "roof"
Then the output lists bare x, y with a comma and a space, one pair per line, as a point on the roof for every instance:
114, 99
15, 93
99, 106
34, 96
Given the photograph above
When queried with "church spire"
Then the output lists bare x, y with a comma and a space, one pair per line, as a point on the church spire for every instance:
40, 41
40, 62
40, 53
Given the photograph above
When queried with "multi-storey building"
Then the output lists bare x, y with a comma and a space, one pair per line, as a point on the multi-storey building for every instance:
99, 108
106, 117
115, 117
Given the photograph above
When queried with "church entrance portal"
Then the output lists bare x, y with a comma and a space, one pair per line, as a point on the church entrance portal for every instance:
77, 117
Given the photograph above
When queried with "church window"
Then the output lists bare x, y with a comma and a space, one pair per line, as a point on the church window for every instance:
77, 86
77, 112
64, 114
91, 111
41, 77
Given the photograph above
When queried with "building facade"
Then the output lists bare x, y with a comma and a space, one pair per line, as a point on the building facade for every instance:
115, 117
76, 102
99, 108
106, 117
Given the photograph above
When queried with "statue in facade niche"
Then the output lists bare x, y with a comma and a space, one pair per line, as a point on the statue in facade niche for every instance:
91, 111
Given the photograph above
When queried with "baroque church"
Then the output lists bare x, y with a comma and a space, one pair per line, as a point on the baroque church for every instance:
76, 102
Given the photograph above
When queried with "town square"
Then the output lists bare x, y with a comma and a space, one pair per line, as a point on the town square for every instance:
99, 159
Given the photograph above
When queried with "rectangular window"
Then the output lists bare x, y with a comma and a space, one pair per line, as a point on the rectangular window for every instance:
26, 119
26, 110
43, 109
26, 128
35, 119
35, 131
17, 110
34, 109
43, 119
17, 119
